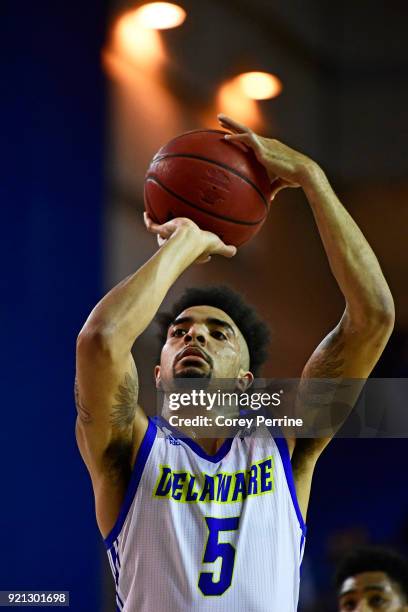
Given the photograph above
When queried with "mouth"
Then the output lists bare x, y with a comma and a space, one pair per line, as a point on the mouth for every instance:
193, 355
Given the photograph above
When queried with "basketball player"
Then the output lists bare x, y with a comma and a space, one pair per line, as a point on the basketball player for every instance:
370, 579
213, 524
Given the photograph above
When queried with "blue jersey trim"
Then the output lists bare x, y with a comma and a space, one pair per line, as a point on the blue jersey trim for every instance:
302, 541
283, 449
220, 454
119, 602
137, 472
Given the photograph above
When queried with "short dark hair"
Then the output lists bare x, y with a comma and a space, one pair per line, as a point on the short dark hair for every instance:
375, 559
245, 317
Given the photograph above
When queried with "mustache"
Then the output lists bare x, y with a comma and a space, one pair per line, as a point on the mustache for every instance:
197, 350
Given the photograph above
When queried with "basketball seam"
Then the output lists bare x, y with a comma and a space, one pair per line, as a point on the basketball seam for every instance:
216, 163
154, 179
195, 132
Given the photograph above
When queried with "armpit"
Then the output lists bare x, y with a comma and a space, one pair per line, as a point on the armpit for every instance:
116, 462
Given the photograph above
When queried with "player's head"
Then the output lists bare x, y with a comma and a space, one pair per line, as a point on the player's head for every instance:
211, 333
371, 579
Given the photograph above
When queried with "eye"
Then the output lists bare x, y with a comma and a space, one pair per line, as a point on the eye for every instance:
377, 601
178, 332
219, 335
349, 604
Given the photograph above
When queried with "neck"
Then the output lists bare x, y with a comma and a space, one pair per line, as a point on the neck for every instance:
210, 445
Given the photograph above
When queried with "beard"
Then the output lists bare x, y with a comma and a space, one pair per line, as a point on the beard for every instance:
191, 374
192, 377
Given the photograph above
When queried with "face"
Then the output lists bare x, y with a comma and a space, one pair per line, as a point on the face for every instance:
370, 591
203, 342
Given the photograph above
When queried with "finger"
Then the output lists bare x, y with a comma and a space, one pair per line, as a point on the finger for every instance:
243, 137
242, 140
203, 260
164, 230
147, 219
230, 128
232, 124
225, 250
226, 120
151, 225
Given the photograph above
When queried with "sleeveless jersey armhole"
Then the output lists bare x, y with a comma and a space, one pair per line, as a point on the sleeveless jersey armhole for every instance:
283, 449
140, 462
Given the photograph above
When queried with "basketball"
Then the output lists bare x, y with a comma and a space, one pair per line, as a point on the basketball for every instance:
218, 185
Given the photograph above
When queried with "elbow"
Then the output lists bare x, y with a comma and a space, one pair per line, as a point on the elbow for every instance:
383, 316
95, 340
377, 321
388, 317
381, 326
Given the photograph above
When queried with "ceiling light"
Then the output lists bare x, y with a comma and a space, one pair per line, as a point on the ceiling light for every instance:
260, 85
160, 15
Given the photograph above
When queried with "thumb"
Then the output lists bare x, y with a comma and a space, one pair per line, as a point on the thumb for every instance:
225, 250
278, 184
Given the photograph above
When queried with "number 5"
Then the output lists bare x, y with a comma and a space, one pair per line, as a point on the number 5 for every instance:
215, 549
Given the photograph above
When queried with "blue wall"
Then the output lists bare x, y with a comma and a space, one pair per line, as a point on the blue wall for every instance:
51, 192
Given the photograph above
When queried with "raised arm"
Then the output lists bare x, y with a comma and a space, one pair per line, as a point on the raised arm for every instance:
351, 350
110, 424
353, 347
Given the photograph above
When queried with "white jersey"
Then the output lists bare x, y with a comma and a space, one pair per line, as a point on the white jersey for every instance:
211, 533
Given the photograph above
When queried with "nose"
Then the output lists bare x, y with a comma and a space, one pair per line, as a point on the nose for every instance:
195, 333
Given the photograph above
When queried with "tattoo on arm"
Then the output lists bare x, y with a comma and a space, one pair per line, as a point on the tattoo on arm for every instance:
123, 413
328, 361
325, 399
321, 376
83, 414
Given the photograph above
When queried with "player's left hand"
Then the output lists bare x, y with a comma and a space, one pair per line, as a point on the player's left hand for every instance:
285, 166
210, 244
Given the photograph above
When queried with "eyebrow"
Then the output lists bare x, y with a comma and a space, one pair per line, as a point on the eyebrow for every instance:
370, 587
208, 321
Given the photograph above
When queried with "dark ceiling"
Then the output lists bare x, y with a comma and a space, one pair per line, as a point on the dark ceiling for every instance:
344, 67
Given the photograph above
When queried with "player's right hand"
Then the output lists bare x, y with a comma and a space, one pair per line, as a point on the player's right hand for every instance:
211, 244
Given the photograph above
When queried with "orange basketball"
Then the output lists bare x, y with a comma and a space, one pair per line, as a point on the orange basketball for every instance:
220, 186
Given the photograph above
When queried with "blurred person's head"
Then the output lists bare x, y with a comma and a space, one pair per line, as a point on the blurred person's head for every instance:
211, 333
370, 579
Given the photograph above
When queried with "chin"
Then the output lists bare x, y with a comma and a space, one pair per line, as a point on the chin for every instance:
192, 373
189, 375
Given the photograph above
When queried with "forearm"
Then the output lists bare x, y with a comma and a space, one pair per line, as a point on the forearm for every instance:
125, 312
352, 261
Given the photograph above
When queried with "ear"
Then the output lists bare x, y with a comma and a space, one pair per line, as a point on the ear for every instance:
157, 376
245, 380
